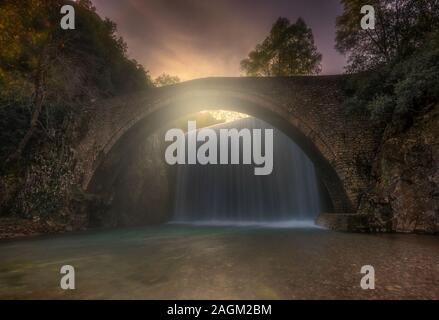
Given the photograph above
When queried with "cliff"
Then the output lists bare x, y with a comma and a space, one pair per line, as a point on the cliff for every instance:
404, 193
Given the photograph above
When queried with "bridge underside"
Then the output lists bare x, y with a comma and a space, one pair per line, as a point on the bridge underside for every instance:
137, 184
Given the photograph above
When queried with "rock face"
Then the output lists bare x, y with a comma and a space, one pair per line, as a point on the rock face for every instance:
404, 196
137, 190
37, 192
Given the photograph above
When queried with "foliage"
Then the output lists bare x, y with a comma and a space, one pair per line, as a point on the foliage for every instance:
46, 71
30, 31
396, 65
166, 80
418, 79
402, 26
288, 50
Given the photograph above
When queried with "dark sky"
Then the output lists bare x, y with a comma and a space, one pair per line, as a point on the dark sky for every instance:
200, 38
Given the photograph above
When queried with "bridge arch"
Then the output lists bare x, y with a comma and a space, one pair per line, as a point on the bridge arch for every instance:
307, 109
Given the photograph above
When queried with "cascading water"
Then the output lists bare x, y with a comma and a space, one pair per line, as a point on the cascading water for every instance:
233, 194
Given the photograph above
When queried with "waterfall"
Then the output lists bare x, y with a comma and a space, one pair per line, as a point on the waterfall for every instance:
232, 193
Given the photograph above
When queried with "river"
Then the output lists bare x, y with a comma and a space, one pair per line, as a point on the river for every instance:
220, 262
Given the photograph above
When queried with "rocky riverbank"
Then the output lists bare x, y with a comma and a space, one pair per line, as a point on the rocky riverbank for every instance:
11, 228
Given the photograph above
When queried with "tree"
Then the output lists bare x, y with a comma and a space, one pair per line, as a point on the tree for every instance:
166, 80
28, 41
394, 67
288, 50
401, 27
45, 67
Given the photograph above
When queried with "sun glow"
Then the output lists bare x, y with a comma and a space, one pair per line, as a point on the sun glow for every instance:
225, 115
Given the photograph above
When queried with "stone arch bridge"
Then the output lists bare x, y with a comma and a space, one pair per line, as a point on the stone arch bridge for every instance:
308, 109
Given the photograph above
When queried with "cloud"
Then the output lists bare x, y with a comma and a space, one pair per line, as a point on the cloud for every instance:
199, 38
